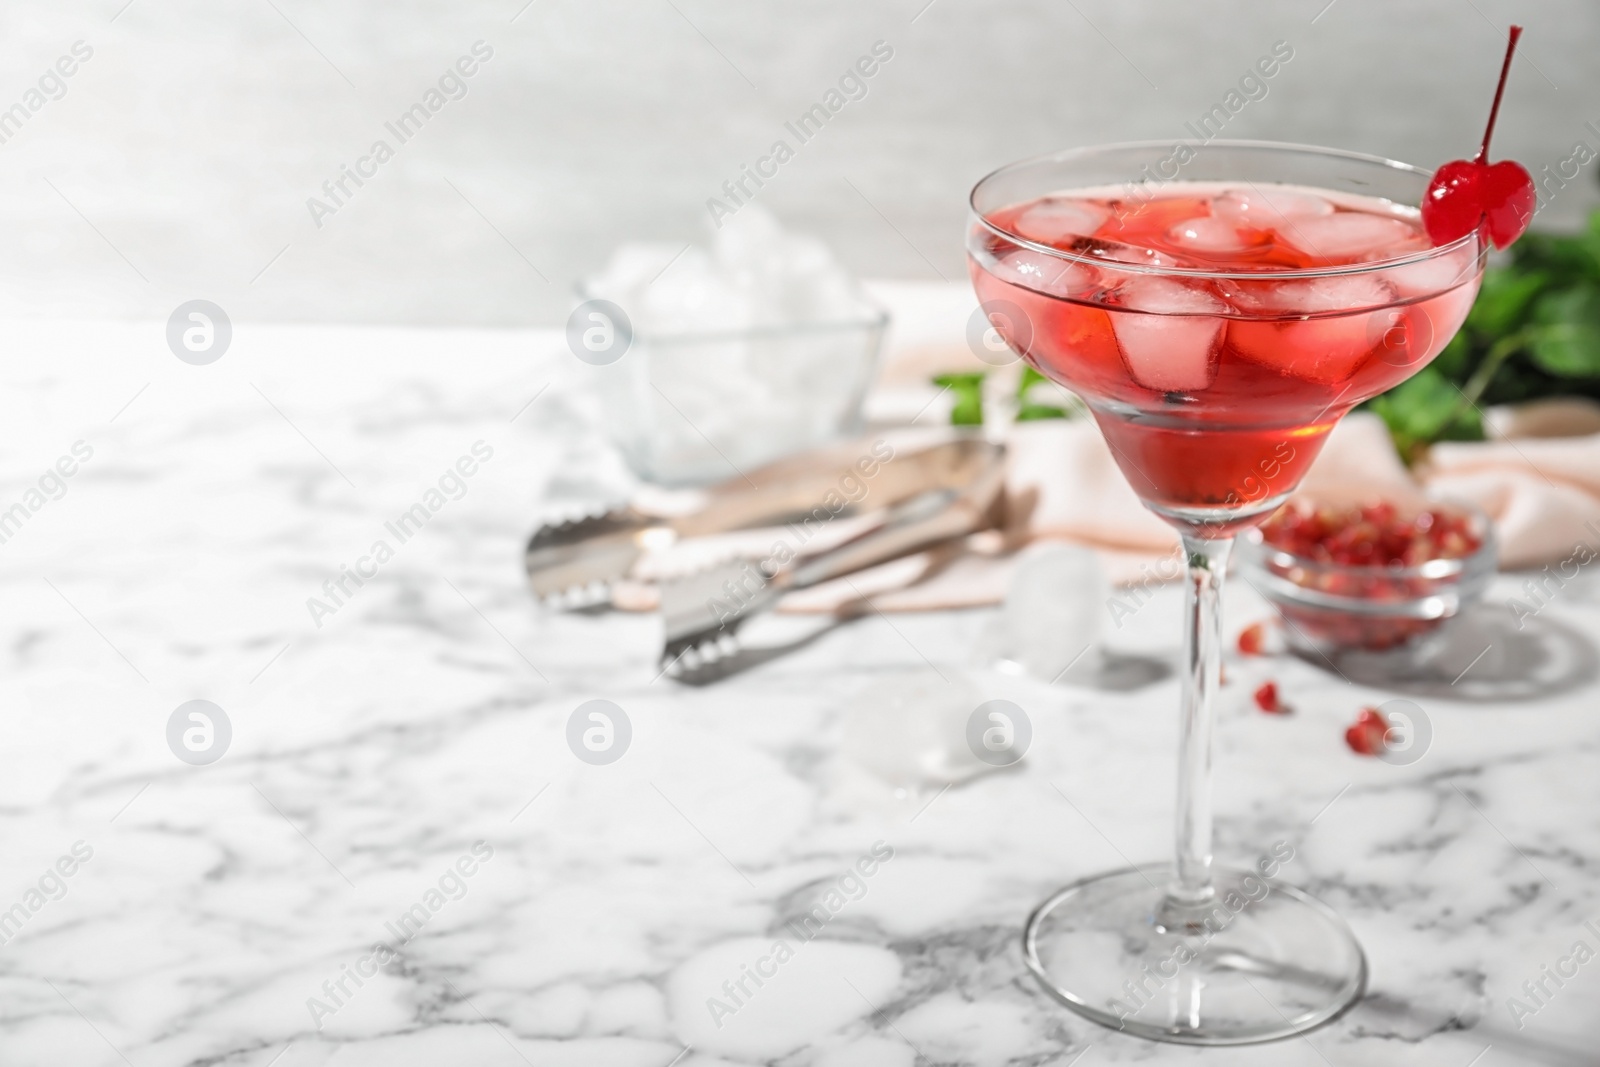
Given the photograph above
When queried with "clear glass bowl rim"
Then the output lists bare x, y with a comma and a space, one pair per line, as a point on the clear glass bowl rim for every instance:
1070, 154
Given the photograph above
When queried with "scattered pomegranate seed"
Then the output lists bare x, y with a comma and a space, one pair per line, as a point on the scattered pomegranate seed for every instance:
1267, 699
1368, 736
1253, 639
1465, 195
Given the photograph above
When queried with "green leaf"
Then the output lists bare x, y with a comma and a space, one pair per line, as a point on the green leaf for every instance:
1029, 409
1505, 296
968, 390
1591, 236
1425, 409
1455, 360
1034, 412
1569, 258
1567, 340
1577, 304
1534, 332
1567, 349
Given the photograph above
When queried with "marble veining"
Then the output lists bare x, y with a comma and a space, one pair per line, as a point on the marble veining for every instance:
424, 722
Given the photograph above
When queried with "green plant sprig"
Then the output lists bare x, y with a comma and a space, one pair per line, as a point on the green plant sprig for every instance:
968, 389
1534, 332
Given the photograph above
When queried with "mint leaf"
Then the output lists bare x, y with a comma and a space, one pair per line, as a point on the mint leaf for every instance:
1504, 297
1533, 332
1030, 378
1029, 409
1425, 409
1034, 412
1455, 361
1572, 259
1567, 349
1567, 340
968, 390
1578, 304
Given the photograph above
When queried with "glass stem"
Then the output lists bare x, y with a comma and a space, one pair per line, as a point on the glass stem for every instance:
1202, 659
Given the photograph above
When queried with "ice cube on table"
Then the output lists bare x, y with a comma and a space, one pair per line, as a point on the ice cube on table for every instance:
1060, 221
1346, 236
1211, 235
910, 728
1050, 620
1337, 328
1268, 208
1173, 346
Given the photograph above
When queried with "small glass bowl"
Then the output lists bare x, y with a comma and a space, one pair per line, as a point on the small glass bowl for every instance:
693, 408
1332, 607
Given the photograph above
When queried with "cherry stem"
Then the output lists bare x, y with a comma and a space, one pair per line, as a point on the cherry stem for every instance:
1499, 91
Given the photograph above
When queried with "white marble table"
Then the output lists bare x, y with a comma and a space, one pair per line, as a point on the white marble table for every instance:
605, 904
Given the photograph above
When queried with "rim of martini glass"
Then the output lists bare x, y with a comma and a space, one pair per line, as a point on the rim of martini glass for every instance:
1070, 154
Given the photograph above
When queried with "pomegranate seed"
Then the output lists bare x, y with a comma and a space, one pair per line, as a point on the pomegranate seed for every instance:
1267, 699
1368, 736
1253, 639
1372, 536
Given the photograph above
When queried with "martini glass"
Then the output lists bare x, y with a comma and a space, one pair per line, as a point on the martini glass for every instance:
1218, 308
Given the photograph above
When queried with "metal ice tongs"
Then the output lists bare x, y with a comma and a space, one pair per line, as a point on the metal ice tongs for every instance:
702, 612
573, 564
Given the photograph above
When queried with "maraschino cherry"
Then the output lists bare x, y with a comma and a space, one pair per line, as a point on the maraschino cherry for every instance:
1466, 194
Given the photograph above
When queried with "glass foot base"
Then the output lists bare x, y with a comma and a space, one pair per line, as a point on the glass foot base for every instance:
1260, 961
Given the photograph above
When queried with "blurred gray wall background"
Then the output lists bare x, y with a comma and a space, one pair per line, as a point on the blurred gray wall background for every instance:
179, 160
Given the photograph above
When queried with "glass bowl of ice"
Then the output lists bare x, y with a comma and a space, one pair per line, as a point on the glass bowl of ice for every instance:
754, 349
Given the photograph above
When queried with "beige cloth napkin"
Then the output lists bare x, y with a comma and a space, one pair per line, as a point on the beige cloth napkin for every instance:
1544, 495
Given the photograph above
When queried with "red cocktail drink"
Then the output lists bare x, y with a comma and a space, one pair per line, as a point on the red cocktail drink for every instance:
1218, 330
1218, 327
